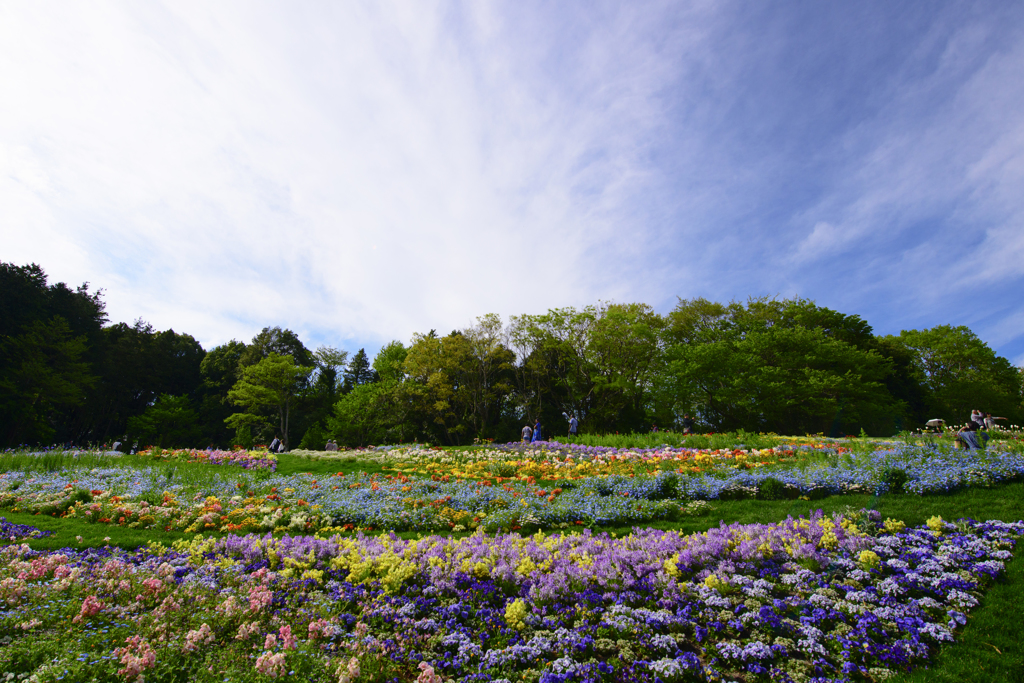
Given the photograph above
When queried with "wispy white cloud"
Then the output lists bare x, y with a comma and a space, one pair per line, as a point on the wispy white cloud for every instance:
358, 172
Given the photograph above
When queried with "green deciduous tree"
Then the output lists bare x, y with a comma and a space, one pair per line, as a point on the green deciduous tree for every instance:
170, 422
283, 342
271, 384
777, 366
389, 361
962, 373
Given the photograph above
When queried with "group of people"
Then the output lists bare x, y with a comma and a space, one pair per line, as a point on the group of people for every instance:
533, 434
974, 434
332, 445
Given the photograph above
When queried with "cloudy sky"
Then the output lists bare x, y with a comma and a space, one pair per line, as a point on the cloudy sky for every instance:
358, 172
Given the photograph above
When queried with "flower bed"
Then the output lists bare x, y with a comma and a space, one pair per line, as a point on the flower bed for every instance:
847, 598
262, 460
554, 461
249, 502
14, 533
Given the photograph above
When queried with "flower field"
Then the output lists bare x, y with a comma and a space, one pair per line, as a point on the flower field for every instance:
542, 489
826, 598
301, 577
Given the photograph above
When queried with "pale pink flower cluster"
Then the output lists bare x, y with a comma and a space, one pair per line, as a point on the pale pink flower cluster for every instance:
91, 606
270, 664
11, 590
427, 674
259, 598
317, 628
248, 630
168, 605
197, 638
113, 569
152, 586
347, 673
137, 657
287, 639
229, 607
29, 625
41, 567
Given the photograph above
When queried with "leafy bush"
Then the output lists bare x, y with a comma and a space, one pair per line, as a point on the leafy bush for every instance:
771, 489
895, 478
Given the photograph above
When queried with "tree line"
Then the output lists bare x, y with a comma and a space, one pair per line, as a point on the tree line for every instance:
786, 366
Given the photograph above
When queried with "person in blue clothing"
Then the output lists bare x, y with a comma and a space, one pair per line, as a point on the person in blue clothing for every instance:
536, 431
968, 436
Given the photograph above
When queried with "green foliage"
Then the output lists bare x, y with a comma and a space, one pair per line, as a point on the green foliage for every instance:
758, 367
962, 373
895, 478
170, 422
771, 489
390, 360
315, 437
274, 340
359, 371
269, 384
44, 372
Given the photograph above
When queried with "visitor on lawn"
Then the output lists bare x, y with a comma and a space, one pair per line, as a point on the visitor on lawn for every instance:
527, 433
968, 437
990, 422
275, 445
573, 424
536, 431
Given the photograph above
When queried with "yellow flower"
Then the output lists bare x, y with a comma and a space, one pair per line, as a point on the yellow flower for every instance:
515, 614
869, 559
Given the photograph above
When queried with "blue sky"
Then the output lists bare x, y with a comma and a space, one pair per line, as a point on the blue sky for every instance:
361, 172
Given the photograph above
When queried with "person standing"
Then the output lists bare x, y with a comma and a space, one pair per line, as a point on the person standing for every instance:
527, 433
978, 417
536, 431
275, 445
573, 425
687, 424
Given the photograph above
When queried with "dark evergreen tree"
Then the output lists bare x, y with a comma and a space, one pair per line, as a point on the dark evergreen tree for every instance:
359, 371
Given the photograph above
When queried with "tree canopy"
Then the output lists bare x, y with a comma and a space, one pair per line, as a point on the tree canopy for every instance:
768, 364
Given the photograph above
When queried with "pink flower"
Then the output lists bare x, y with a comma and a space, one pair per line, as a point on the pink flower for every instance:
287, 640
427, 674
270, 664
137, 657
197, 638
259, 598
91, 606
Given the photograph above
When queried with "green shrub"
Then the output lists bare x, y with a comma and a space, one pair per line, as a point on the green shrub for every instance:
895, 479
771, 489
